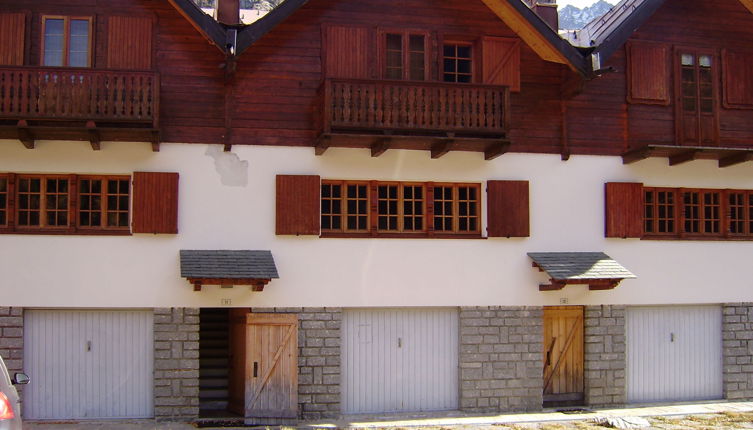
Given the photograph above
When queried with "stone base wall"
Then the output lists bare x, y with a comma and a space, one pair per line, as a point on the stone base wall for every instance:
176, 364
318, 360
500, 359
737, 343
12, 341
605, 360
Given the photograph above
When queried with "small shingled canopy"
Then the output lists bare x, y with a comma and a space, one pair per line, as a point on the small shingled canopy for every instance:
228, 267
596, 269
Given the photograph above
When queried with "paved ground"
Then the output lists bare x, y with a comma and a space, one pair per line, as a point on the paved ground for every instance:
706, 416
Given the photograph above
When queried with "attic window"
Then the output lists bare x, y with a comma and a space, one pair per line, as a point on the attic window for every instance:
404, 55
457, 62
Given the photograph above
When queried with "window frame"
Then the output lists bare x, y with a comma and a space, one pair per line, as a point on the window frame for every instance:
405, 34
474, 58
427, 208
66, 39
680, 113
73, 208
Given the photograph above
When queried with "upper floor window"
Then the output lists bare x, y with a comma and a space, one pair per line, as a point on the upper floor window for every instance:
400, 207
405, 55
457, 62
66, 41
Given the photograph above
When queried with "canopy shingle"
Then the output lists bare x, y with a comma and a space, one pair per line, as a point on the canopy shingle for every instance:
227, 264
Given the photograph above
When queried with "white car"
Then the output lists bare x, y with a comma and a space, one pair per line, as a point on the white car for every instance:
10, 404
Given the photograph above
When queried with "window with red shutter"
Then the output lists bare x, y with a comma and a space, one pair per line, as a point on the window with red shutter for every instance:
346, 52
297, 205
129, 42
737, 79
12, 35
648, 73
155, 202
623, 204
501, 62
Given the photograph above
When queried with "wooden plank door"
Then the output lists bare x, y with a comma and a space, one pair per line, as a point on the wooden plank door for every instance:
271, 380
563, 354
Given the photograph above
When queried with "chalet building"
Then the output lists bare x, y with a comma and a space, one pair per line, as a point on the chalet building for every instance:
362, 207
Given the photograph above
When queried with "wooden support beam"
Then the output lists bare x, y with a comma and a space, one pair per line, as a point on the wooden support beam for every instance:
197, 286
731, 160
380, 146
24, 134
322, 144
94, 139
441, 148
496, 149
227, 147
683, 157
554, 286
606, 284
637, 154
155, 141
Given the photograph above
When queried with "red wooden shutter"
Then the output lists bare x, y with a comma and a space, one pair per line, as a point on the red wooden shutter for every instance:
648, 73
298, 204
155, 202
507, 209
12, 35
129, 42
623, 209
738, 79
345, 52
501, 62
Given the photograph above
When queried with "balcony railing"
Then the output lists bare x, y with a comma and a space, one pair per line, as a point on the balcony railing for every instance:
44, 93
414, 107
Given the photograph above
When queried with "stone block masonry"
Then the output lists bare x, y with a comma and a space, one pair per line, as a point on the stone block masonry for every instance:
737, 344
500, 361
176, 364
604, 355
318, 360
12, 340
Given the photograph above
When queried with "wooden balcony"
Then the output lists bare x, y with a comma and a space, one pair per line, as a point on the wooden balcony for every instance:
78, 104
434, 116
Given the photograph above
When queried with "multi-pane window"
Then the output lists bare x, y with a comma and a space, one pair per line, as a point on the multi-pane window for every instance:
379, 208
404, 55
46, 202
66, 41
457, 61
696, 86
697, 213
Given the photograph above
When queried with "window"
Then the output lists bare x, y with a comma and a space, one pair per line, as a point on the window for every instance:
404, 208
697, 213
66, 41
405, 55
696, 92
457, 62
64, 203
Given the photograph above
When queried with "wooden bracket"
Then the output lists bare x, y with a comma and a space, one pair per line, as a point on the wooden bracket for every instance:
24, 134
554, 286
197, 286
731, 160
593, 284
155, 141
441, 148
496, 149
322, 144
380, 146
256, 284
683, 157
94, 138
637, 154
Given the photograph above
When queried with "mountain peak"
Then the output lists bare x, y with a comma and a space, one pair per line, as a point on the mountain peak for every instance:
573, 18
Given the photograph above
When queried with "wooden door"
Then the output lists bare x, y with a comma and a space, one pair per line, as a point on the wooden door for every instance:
264, 367
563, 354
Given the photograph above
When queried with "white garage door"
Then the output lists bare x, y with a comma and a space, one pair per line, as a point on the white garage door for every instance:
674, 353
399, 360
88, 364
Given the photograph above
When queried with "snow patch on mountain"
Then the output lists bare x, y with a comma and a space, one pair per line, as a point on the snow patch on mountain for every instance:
573, 18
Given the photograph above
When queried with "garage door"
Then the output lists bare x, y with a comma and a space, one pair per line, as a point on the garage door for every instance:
674, 353
399, 360
88, 364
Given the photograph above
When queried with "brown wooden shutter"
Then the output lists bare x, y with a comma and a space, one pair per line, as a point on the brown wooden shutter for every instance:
507, 209
129, 42
12, 35
298, 204
501, 62
648, 73
345, 52
737, 67
155, 202
623, 209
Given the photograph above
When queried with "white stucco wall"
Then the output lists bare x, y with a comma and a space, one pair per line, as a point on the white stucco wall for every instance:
567, 214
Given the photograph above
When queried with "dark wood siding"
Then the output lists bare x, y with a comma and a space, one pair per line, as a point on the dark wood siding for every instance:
507, 209
12, 37
297, 205
155, 202
737, 67
648, 73
501, 62
623, 209
129, 42
346, 52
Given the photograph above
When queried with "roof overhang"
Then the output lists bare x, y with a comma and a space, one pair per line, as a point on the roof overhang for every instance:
228, 267
596, 269
212, 30
676, 154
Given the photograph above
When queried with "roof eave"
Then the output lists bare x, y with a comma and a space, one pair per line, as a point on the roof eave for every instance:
622, 32
251, 33
203, 23
538, 35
